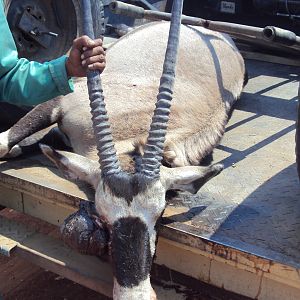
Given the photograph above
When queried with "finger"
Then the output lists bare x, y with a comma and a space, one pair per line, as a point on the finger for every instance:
95, 43
97, 66
84, 42
93, 59
93, 52
98, 42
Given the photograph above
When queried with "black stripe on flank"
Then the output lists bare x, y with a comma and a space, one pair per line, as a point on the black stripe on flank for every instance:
246, 78
131, 253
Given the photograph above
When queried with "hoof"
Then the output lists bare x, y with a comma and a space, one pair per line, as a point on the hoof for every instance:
82, 232
15, 151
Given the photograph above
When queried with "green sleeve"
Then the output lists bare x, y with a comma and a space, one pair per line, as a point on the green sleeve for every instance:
28, 83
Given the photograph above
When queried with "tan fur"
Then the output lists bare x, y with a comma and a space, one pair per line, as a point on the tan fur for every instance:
210, 74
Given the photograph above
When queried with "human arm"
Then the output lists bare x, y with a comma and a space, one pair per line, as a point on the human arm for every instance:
28, 83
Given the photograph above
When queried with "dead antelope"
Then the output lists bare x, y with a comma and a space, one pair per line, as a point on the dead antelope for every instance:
130, 189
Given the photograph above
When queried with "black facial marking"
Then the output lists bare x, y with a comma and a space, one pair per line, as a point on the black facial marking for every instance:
37, 119
137, 157
207, 160
131, 253
126, 185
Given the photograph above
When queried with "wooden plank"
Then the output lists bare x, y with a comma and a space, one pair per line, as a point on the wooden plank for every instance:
49, 211
11, 234
11, 199
239, 275
20, 279
46, 209
52, 255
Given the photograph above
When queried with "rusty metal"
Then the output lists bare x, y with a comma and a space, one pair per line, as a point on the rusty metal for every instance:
35, 29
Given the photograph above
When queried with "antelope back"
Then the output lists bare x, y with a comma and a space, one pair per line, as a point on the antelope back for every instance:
209, 78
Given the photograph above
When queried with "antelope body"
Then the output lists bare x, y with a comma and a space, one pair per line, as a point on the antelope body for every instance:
209, 78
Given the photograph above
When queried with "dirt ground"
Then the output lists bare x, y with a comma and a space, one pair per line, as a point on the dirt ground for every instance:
21, 280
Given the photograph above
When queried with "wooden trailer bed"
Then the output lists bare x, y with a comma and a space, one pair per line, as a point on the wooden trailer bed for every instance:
240, 233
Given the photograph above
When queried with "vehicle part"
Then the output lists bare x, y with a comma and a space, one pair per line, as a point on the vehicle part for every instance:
273, 34
43, 29
287, 8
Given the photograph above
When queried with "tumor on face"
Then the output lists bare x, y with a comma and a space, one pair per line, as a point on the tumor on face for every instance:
84, 232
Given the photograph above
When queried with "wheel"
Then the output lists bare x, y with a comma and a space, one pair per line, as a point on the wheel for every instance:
298, 137
31, 21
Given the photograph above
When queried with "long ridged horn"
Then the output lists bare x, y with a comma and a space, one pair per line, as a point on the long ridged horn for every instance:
155, 144
105, 145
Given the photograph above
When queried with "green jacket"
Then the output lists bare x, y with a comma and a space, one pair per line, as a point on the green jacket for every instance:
24, 82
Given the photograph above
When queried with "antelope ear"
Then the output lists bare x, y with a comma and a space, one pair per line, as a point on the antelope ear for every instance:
74, 166
190, 178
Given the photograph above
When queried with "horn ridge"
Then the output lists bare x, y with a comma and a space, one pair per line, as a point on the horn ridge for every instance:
153, 152
104, 140
106, 149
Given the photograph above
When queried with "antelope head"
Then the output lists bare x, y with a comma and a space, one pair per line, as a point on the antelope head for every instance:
131, 204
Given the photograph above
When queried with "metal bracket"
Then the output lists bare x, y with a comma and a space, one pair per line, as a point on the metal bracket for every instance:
36, 30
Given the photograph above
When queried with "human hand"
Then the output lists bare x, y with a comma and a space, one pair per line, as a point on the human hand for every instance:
86, 54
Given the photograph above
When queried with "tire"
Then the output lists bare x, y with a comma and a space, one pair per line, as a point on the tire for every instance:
62, 17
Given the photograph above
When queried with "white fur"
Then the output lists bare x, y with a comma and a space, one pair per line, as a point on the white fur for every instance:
147, 206
4, 149
140, 292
